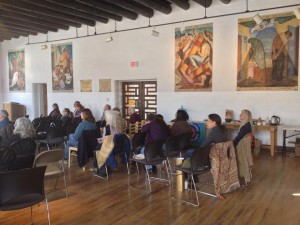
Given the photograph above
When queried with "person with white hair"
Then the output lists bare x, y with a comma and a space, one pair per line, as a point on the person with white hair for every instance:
4, 121
134, 116
23, 129
115, 127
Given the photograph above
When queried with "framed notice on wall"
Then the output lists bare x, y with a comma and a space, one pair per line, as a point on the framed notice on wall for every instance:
86, 85
105, 85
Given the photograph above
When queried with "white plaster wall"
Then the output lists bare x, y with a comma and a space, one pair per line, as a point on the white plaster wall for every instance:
95, 59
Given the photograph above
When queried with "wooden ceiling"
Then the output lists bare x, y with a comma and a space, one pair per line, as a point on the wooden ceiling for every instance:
20, 18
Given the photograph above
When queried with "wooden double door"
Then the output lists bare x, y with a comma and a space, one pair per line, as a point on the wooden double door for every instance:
142, 95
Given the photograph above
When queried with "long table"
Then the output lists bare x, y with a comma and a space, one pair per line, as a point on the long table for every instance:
286, 128
272, 129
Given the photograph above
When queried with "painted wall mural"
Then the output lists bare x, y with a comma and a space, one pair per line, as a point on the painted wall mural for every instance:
193, 55
268, 53
16, 71
62, 67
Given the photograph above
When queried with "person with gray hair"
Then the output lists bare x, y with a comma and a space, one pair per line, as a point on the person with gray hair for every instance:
23, 129
4, 121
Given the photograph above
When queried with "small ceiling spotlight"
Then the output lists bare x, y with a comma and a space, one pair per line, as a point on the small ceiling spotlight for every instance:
297, 13
155, 33
257, 18
109, 39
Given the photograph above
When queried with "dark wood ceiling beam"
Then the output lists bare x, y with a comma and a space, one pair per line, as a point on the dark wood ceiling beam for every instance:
47, 20
68, 10
73, 4
48, 12
204, 3
134, 6
226, 1
4, 38
16, 30
36, 21
5, 35
106, 6
20, 25
8, 32
184, 4
159, 6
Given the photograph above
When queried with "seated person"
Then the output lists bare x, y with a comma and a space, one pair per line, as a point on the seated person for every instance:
180, 124
55, 112
103, 122
78, 108
245, 128
216, 135
156, 129
66, 120
4, 118
23, 129
134, 116
88, 123
6, 128
116, 128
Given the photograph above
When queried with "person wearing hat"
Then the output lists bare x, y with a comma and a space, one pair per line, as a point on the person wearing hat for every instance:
4, 121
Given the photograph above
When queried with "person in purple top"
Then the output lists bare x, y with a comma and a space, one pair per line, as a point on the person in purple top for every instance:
156, 129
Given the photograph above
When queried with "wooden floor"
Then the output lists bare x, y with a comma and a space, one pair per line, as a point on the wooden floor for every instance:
267, 200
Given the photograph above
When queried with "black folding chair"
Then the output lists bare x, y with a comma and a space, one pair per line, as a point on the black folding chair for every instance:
22, 188
138, 141
200, 164
185, 142
153, 156
54, 136
25, 149
7, 159
172, 149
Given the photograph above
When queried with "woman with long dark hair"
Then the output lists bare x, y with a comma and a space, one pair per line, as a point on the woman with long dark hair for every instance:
180, 125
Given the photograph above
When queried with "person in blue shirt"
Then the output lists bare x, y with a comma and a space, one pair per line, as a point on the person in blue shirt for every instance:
88, 123
4, 118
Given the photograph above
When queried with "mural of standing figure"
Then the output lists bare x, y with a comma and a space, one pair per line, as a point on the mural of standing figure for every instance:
279, 54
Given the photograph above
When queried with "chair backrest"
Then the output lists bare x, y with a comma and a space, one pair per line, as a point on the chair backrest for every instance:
7, 158
173, 145
25, 149
52, 159
119, 142
47, 157
44, 124
154, 151
200, 158
21, 188
185, 141
138, 140
86, 145
5, 133
54, 134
